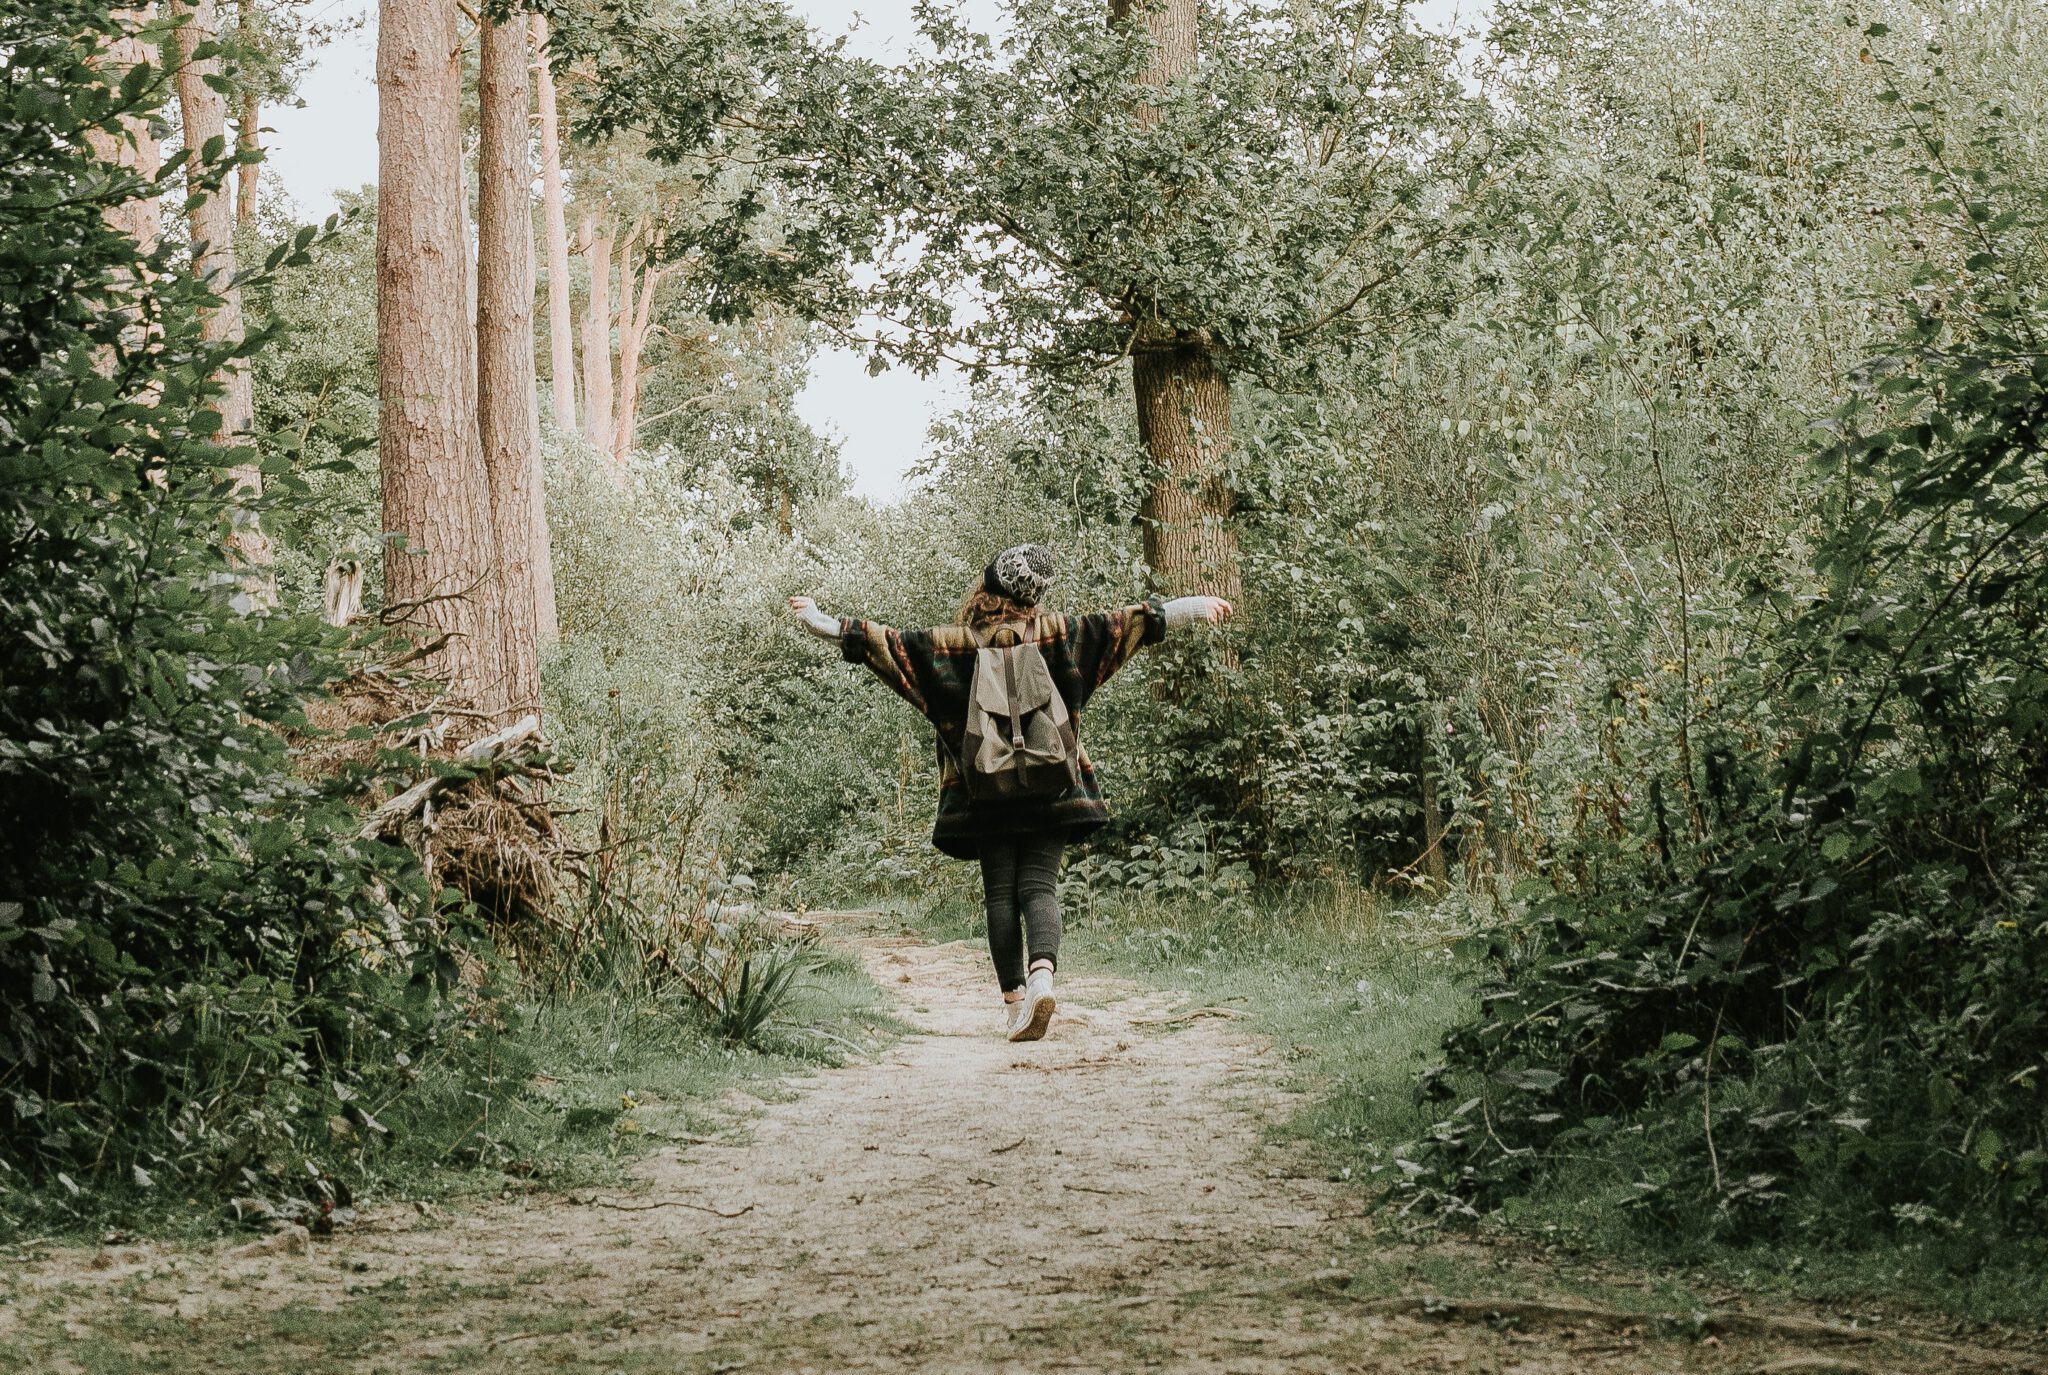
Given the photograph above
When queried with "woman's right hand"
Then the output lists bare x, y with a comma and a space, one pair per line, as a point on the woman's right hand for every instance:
802, 606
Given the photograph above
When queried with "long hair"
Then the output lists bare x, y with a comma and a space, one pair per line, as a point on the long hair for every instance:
984, 608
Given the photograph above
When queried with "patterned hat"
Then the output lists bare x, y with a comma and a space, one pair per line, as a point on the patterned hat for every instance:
1023, 573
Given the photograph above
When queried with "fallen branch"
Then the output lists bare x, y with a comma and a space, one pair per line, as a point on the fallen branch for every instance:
662, 1203
1226, 1012
389, 814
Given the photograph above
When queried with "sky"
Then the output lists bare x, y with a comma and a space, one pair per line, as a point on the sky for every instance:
329, 144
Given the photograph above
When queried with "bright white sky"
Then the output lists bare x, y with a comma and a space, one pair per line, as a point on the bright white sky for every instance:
330, 144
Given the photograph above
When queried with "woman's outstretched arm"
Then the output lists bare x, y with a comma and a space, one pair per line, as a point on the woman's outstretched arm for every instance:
817, 622
1187, 610
903, 659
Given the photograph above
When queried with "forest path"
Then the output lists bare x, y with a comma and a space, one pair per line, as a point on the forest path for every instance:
1101, 1200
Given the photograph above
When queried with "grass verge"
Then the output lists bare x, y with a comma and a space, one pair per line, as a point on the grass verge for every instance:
531, 1093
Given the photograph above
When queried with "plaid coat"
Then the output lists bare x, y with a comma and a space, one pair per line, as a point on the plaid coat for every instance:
933, 670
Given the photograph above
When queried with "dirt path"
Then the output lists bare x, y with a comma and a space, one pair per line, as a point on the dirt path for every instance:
1097, 1201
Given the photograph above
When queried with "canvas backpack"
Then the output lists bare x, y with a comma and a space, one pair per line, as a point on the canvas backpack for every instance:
1020, 741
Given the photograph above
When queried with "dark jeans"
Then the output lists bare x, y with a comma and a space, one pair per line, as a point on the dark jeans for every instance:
1020, 878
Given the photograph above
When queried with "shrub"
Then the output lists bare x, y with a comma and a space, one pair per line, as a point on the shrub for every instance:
195, 946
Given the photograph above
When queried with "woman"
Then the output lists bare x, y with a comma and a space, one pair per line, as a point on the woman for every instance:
1018, 840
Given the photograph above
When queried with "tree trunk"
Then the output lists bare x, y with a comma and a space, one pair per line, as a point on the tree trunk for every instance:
597, 336
635, 312
205, 115
561, 327
436, 499
248, 133
1183, 397
1184, 422
1435, 863
142, 218
508, 417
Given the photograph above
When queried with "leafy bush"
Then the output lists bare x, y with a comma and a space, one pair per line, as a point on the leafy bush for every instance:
196, 954
1811, 1001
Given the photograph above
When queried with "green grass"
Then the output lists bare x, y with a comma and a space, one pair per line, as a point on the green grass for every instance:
542, 1093
570, 1089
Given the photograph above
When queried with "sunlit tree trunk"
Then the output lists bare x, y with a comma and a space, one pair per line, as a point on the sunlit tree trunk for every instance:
248, 130
443, 579
636, 312
561, 327
508, 417
141, 219
597, 335
204, 111
1183, 397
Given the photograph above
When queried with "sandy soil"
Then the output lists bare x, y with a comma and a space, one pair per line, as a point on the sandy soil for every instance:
1100, 1201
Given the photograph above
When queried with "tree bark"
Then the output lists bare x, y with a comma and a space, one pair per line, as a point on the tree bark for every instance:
442, 578
597, 337
248, 131
635, 312
142, 218
508, 416
205, 115
1184, 423
1182, 395
561, 326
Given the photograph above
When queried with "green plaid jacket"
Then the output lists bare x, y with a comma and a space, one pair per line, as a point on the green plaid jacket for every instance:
933, 669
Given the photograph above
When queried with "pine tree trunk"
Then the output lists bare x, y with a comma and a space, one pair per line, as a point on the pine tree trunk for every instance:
205, 116
561, 326
597, 335
508, 417
1182, 395
1184, 422
436, 499
142, 218
248, 130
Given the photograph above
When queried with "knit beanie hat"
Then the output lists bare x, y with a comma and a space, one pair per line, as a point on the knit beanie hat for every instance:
1023, 573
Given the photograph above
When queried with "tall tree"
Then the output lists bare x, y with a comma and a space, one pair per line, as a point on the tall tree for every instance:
204, 112
1200, 192
507, 403
640, 273
561, 325
1182, 394
141, 219
249, 114
440, 573
595, 233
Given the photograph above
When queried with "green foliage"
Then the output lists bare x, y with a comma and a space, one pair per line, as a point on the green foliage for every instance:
1808, 1002
198, 955
1031, 202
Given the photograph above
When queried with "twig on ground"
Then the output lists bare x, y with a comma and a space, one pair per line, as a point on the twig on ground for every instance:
662, 1203
1188, 1016
1005, 1150
1091, 1189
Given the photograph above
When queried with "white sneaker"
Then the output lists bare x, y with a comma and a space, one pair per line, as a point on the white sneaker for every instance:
1034, 1013
1014, 1015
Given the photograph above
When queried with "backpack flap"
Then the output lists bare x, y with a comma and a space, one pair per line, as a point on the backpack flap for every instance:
1020, 736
